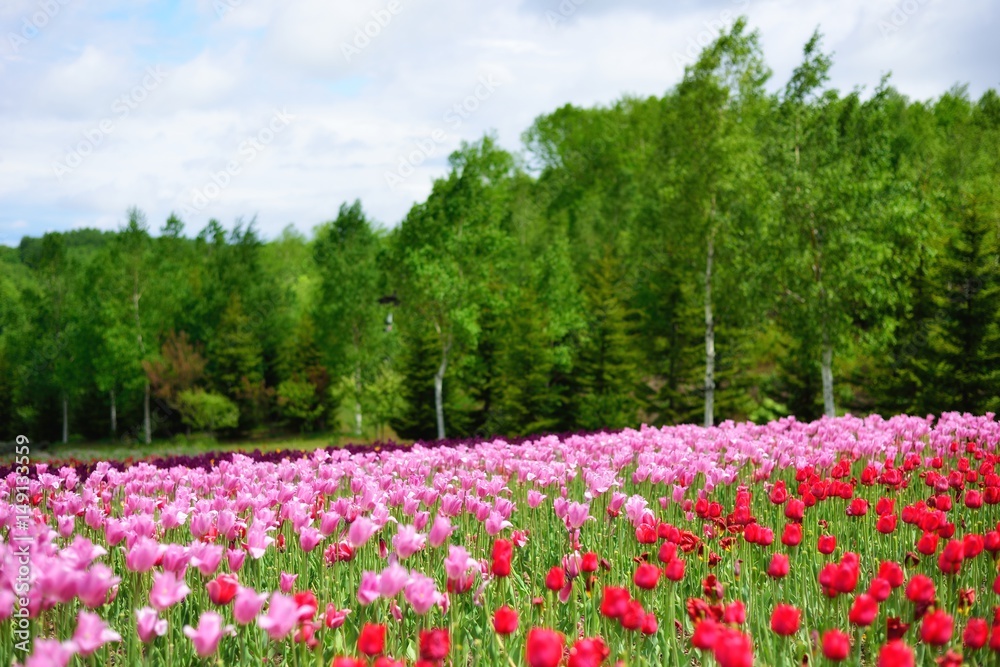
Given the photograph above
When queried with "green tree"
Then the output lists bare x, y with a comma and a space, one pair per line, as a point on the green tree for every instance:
351, 318
607, 369
448, 247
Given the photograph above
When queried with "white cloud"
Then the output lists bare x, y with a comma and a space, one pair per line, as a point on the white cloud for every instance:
358, 117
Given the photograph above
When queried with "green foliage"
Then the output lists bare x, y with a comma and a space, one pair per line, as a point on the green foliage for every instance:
607, 370
299, 402
839, 249
205, 411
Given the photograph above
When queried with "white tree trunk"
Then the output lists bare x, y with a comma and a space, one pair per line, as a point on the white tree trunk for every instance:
827, 370
439, 393
65, 421
114, 415
357, 400
146, 426
709, 337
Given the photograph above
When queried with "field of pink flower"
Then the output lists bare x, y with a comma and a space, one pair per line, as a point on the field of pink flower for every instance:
860, 541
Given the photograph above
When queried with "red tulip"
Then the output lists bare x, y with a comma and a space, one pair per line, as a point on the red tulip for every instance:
795, 509
674, 571
615, 601
863, 611
858, 507
974, 545
588, 653
952, 556
891, 572
785, 619
735, 613
885, 506
223, 589
791, 536
879, 589
976, 633
779, 493
647, 576
927, 544
995, 637
973, 499
920, 589
706, 634
886, 524
633, 616
649, 624
555, 579
503, 551
667, 553
733, 649
504, 620
778, 567
371, 641
836, 645
341, 661
895, 654
936, 628
589, 563
434, 644
826, 544
544, 648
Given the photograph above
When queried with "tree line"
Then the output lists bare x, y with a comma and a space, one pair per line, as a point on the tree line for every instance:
725, 251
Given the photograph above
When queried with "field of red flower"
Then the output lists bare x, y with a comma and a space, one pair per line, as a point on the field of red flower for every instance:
859, 541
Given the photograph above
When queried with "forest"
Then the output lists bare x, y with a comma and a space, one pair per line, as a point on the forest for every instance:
735, 249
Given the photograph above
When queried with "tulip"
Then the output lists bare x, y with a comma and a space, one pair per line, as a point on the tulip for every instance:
544, 648
207, 635
92, 633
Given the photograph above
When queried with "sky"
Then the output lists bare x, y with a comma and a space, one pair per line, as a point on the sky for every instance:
284, 109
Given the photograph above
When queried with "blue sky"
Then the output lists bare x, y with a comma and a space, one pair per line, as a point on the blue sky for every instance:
283, 109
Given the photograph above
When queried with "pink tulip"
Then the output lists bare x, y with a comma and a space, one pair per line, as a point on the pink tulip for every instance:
207, 558
368, 590
51, 653
286, 582
167, 590
92, 633
334, 617
421, 593
441, 530
235, 557
361, 531
281, 618
207, 635
258, 540
143, 555
247, 605
457, 562
407, 541
309, 538
93, 586
149, 625
392, 580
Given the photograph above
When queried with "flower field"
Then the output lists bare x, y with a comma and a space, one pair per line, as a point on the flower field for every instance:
852, 541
